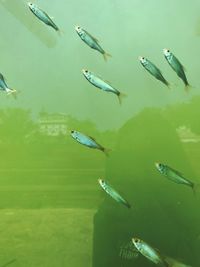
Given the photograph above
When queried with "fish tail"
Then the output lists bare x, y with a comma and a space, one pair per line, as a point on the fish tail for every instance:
106, 151
106, 55
120, 96
167, 262
60, 32
12, 92
195, 188
187, 87
167, 84
127, 205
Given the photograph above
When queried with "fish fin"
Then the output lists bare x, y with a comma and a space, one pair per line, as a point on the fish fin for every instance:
92, 138
12, 92
177, 172
106, 151
172, 84
128, 205
195, 188
184, 68
106, 55
188, 87
60, 32
169, 86
106, 81
120, 97
95, 39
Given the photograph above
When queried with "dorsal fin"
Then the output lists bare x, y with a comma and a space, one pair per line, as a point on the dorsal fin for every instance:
98, 76
175, 171
92, 138
92, 36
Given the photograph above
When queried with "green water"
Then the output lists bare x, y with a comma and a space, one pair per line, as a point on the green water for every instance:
53, 212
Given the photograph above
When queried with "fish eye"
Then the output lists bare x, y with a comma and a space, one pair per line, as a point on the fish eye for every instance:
158, 165
86, 71
72, 132
142, 58
167, 50
136, 240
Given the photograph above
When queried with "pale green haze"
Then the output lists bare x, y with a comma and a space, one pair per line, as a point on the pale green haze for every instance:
53, 211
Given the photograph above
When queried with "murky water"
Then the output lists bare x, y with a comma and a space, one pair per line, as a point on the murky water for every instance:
53, 211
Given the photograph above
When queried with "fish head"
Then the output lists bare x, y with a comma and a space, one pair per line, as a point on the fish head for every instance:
31, 6
101, 181
137, 243
166, 52
78, 29
143, 60
159, 166
86, 73
74, 134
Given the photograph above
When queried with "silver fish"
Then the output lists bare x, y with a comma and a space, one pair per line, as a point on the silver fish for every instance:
101, 84
113, 193
149, 252
174, 175
176, 66
4, 87
88, 141
153, 70
91, 41
43, 16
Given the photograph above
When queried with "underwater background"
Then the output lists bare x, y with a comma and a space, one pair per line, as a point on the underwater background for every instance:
52, 209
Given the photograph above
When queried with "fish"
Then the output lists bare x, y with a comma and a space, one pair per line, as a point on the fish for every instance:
176, 66
91, 41
174, 175
149, 252
98, 82
113, 193
155, 256
88, 141
43, 16
4, 87
153, 70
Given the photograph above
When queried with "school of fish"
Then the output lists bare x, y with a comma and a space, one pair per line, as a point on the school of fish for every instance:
171, 174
